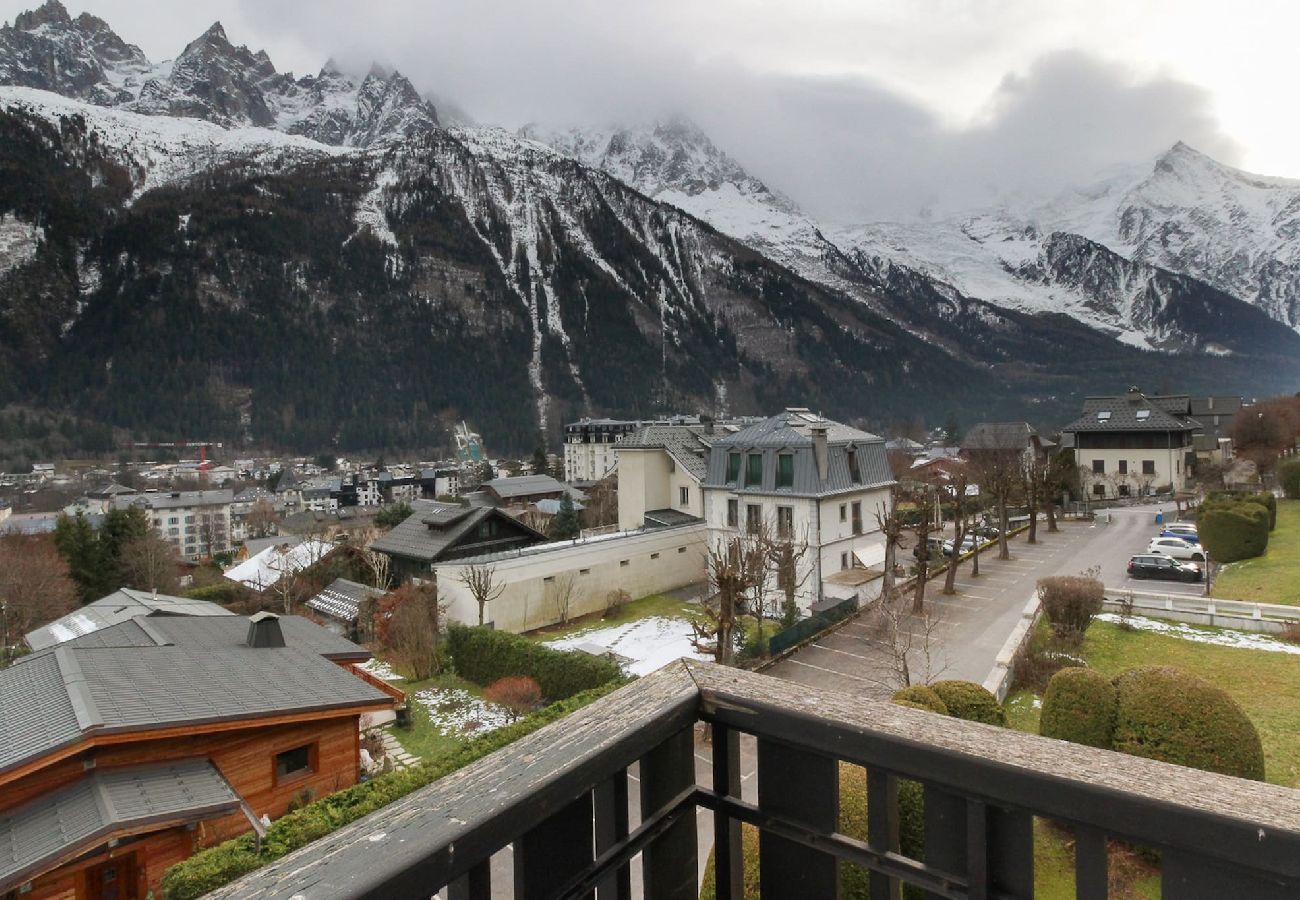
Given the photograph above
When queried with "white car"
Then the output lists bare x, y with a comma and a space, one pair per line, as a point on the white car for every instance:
1176, 548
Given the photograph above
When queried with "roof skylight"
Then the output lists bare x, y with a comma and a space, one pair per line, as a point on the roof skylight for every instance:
1143, 414
1103, 416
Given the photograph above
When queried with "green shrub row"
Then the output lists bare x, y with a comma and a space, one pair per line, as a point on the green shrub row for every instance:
209, 869
1160, 712
483, 655
1235, 526
1288, 477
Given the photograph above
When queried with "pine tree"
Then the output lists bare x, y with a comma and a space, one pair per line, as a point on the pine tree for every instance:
565, 524
541, 465
80, 547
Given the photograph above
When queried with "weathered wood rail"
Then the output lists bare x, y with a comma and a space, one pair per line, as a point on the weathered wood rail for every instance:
560, 799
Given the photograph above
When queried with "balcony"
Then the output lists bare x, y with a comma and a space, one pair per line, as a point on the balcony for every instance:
605, 804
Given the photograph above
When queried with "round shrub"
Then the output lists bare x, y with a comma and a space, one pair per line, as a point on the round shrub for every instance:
1288, 476
1070, 602
970, 701
1230, 533
1079, 706
1165, 713
921, 696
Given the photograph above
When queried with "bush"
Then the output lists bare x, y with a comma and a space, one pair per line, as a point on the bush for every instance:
1070, 602
483, 655
920, 696
517, 693
1288, 477
1232, 531
1168, 714
970, 701
209, 869
1079, 706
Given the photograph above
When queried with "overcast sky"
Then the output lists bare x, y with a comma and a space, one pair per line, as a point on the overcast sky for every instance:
859, 110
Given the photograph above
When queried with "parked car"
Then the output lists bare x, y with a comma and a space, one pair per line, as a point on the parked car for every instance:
1166, 568
1185, 530
936, 548
1177, 548
968, 543
988, 532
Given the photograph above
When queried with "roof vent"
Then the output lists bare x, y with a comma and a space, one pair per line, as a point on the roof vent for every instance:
264, 630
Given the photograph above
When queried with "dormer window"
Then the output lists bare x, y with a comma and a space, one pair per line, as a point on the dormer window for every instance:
733, 467
855, 474
785, 470
754, 470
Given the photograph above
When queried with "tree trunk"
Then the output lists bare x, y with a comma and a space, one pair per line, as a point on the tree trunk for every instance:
950, 580
481, 604
922, 570
1051, 514
887, 583
1003, 551
975, 552
1033, 512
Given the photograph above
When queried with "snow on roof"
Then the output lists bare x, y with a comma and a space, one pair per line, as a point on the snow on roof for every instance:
266, 568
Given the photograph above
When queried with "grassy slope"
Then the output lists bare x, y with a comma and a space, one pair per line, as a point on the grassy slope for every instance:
645, 608
1275, 576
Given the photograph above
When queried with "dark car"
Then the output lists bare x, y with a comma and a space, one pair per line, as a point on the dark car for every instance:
1154, 565
988, 532
936, 548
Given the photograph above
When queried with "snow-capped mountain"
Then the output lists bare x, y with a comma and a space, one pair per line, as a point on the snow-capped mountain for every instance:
212, 79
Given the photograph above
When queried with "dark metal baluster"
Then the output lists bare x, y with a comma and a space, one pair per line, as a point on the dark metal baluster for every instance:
1186, 877
945, 832
611, 829
1091, 864
1011, 851
977, 850
554, 851
669, 864
802, 788
728, 856
882, 829
476, 884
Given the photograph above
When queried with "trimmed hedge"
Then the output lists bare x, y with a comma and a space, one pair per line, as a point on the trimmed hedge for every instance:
1231, 532
483, 655
218, 592
970, 701
1166, 713
920, 696
210, 869
1288, 476
1079, 706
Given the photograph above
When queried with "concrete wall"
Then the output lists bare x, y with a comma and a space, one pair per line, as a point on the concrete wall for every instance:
641, 563
651, 479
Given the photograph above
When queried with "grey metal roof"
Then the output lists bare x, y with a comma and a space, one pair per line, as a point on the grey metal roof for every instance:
176, 499
551, 506
204, 673
791, 432
416, 538
90, 810
528, 485
1216, 406
119, 606
667, 518
998, 436
684, 443
1132, 412
342, 599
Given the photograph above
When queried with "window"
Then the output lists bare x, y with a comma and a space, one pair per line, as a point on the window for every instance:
584, 571
1142, 415
1099, 490
844, 512
548, 579
733, 513
857, 517
785, 470
844, 560
622, 563
1148, 467
1103, 416
684, 494
1123, 490
298, 761
488, 528
681, 549
654, 555
1099, 467
173, 521
733, 467
753, 517
854, 474
784, 521
1123, 467
754, 470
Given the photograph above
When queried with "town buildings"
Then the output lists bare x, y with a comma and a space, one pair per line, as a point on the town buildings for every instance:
1133, 445
196, 523
436, 532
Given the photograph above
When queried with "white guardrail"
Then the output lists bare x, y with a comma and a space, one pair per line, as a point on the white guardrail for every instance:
1245, 614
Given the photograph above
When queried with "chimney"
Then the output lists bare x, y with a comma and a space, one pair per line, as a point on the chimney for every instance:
707, 422
264, 630
819, 449
1134, 395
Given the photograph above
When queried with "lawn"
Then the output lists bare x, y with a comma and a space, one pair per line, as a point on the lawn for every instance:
423, 739
1273, 577
1267, 685
645, 608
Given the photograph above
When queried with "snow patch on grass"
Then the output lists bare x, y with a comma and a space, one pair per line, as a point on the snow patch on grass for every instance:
1222, 637
380, 669
649, 643
456, 712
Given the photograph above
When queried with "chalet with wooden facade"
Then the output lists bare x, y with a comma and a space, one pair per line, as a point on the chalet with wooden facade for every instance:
130, 747
438, 532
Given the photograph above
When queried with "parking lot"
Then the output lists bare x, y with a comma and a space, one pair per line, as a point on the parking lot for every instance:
1128, 534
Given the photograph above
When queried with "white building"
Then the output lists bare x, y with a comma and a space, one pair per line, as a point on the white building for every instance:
660, 470
810, 481
1132, 445
196, 523
589, 453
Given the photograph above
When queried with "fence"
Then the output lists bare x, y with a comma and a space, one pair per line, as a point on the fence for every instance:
805, 628
1268, 618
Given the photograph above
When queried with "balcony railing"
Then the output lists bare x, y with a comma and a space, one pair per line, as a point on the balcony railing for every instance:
559, 799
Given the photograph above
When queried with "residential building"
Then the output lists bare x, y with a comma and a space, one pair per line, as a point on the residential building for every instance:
522, 491
196, 523
345, 608
1132, 444
436, 532
808, 480
660, 472
265, 570
589, 453
122, 605
997, 437
322, 494
437, 483
1216, 415
144, 741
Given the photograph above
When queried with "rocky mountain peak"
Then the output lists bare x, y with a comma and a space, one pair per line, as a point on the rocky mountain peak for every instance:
51, 12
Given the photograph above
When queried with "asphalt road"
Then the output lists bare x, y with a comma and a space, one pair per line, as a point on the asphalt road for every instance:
1128, 533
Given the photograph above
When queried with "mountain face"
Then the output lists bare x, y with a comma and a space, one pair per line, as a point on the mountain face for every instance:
211, 245
211, 79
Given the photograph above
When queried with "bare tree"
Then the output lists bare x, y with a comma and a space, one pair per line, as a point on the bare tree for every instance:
149, 564
601, 503
563, 590
958, 485
908, 641
923, 528
999, 472
785, 556
379, 564
262, 519
480, 581
891, 526
35, 586
729, 565
409, 625
1032, 485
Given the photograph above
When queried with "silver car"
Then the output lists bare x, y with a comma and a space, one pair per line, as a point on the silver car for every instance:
1176, 548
